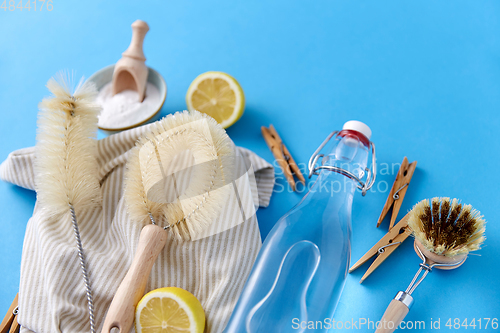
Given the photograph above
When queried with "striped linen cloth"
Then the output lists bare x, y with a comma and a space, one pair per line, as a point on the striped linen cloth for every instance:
52, 296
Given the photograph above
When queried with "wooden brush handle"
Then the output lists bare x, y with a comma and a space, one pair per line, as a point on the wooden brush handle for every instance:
121, 312
395, 313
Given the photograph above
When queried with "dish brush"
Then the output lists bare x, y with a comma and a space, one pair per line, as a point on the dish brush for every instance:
65, 164
445, 232
160, 189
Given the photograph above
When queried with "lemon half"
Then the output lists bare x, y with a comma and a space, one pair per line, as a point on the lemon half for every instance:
217, 94
169, 310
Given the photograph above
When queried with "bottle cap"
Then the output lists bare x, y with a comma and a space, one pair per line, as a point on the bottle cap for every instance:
354, 125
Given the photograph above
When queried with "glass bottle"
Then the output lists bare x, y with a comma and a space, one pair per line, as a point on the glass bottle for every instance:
300, 271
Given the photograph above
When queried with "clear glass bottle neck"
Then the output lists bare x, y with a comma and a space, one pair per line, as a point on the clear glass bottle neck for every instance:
348, 151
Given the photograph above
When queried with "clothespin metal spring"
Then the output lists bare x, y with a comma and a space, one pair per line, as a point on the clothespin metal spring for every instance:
382, 248
396, 195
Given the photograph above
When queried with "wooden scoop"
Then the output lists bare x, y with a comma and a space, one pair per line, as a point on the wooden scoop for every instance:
401, 304
131, 72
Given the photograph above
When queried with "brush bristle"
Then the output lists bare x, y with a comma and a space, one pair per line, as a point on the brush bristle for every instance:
447, 227
154, 155
65, 163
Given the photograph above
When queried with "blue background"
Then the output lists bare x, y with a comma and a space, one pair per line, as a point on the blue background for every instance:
424, 75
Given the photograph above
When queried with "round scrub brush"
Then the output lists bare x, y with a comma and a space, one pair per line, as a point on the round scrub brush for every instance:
65, 164
176, 177
445, 232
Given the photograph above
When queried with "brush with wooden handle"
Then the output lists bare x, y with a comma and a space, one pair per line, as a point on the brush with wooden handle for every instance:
445, 232
65, 159
157, 193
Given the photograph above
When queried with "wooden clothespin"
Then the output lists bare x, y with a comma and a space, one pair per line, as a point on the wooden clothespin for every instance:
282, 155
9, 323
397, 234
384, 247
398, 191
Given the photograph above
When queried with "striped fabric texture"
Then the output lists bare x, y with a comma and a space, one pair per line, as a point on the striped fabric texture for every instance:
214, 268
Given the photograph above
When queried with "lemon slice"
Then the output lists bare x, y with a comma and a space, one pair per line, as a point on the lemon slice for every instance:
169, 310
217, 94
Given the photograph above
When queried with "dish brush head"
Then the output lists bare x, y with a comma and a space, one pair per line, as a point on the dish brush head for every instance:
446, 227
154, 160
65, 163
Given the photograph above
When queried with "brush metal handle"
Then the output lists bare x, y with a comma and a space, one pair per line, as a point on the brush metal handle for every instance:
395, 313
121, 312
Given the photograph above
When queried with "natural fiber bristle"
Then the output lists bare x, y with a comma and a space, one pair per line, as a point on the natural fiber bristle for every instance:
65, 163
153, 160
447, 227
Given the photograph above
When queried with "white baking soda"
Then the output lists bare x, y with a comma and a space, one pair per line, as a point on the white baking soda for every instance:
124, 109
